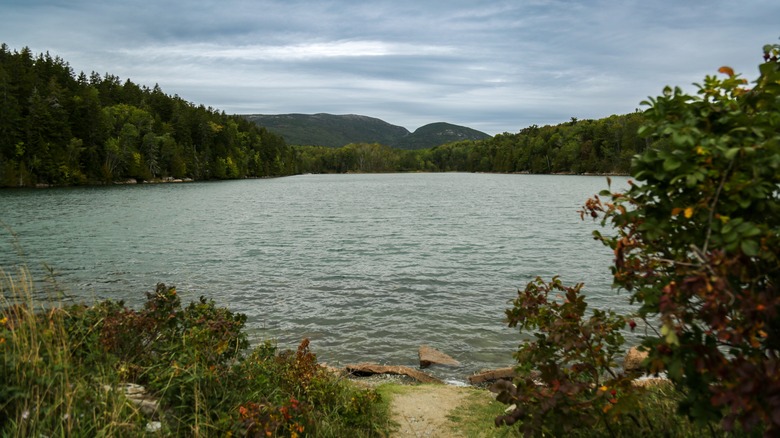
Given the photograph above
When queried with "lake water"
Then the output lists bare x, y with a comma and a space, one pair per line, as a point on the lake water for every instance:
368, 267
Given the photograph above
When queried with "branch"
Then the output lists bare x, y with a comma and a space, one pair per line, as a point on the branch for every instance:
714, 203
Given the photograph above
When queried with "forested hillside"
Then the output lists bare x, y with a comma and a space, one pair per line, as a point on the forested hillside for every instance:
339, 130
586, 146
60, 128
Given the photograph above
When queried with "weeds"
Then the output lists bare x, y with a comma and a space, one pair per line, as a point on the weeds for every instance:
60, 365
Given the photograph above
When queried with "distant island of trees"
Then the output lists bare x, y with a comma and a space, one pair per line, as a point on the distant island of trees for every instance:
59, 128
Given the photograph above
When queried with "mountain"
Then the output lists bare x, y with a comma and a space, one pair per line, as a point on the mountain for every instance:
435, 134
338, 130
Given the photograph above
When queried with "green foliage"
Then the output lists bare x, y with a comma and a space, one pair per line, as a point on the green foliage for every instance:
62, 129
587, 146
335, 131
697, 244
565, 374
45, 385
58, 367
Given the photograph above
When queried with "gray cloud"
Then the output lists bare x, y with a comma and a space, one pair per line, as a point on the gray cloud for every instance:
491, 65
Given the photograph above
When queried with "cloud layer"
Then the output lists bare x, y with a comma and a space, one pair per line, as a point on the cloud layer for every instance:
497, 66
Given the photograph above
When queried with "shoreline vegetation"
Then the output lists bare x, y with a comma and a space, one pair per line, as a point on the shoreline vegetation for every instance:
171, 180
173, 370
60, 128
696, 245
165, 369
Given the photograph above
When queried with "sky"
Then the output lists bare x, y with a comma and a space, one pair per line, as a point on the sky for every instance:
496, 66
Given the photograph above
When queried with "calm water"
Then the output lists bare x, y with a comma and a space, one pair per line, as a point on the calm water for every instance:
367, 266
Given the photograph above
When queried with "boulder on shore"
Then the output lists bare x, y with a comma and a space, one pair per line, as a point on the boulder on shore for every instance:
490, 376
369, 369
633, 360
431, 356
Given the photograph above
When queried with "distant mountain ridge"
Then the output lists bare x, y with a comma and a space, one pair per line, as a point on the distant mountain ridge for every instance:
338, 130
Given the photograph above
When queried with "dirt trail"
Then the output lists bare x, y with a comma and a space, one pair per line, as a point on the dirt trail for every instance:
422, 411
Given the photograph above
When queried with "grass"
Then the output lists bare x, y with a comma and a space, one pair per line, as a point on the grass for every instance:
61, 368
44, 392
654, 410
475, 417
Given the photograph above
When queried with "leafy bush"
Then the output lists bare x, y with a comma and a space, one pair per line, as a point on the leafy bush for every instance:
59, 367
567, 370
697, 245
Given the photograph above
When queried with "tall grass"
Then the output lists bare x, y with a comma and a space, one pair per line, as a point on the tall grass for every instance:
61, 368
44, 390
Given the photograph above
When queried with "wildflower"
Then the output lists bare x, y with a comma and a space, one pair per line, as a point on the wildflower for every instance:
4, 320
688, 212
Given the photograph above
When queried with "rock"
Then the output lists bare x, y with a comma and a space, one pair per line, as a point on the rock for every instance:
431, 356
369, 369
633, 360
153, 426
330, 369
649, 382
137, 394
490, 376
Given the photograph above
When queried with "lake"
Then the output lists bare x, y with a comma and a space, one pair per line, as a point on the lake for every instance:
368, 267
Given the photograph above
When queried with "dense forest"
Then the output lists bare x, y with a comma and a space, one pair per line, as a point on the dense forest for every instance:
584, 146
59, 128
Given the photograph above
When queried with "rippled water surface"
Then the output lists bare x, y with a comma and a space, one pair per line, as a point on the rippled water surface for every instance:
367, 266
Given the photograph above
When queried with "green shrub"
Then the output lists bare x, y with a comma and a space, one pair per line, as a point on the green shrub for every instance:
697, 245
60, 367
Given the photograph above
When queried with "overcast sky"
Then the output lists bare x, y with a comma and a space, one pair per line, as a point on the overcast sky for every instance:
496, 66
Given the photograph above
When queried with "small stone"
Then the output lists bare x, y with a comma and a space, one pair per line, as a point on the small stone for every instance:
490, 376
431, 356
633, 360
137, 395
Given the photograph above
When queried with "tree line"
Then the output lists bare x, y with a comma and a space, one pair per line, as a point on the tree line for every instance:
60, 128
578, 146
